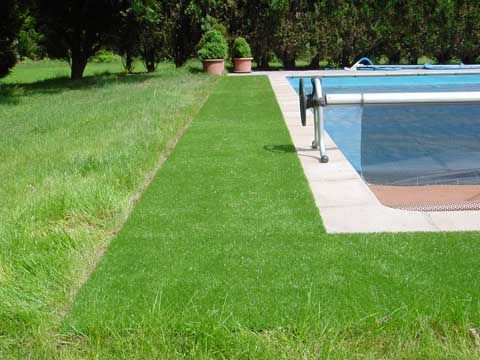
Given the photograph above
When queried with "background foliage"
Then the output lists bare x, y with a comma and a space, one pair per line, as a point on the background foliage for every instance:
310, 32
8, 30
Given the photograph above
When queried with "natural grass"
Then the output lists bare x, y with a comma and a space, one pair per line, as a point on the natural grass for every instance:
225, 256
30, 71
74, 156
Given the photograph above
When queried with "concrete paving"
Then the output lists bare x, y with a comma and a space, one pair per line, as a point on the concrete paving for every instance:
346, 203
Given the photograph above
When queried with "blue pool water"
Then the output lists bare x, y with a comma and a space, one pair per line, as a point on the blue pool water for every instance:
399, 83
418, 67
407, 144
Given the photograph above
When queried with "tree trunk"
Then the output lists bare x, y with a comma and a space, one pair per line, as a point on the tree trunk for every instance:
182, 49
441, 58
315, 62
79, 62
469, 59
181, 54
184, 37
263, 62
128, 62
345, 60
149, 59
289, 61
180, 59
413, 59
150, 66
394, 58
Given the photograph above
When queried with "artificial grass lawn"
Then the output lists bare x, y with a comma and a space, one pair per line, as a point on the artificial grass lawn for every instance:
73, 155
225, 256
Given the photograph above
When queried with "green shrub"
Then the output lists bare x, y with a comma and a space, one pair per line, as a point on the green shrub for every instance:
456, 61
212, 45
422, 60
222, 28
29, 39
104, 56
241, 48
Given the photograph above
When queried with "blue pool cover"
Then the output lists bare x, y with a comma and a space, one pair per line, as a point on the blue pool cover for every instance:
408, 144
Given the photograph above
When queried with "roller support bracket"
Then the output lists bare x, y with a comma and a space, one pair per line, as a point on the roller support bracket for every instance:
320, 102
316, 101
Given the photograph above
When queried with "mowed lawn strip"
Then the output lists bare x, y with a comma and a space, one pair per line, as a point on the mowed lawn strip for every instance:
217, 228
226, 256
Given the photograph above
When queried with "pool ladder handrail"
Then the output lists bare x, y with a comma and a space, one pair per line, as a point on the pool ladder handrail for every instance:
364, 61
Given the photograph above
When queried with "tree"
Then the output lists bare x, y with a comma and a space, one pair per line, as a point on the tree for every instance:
153, 39
292, 33
404, 29
189, 19
343, 30
126, 41
9, 26
355, 32
143, 32
185, 28
317, 17
469, 19
443, 45
76, 29
261, 20
29, 39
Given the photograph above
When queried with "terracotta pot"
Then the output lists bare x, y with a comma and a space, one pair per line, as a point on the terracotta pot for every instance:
242, 65
214, 66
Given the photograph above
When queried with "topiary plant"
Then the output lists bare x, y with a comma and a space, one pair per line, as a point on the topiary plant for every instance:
241, 49
212, 46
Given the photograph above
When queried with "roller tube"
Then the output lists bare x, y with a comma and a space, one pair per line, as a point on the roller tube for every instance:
403, 98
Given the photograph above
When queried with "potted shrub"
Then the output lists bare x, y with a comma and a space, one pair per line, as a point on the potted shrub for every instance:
242, 56
212, 50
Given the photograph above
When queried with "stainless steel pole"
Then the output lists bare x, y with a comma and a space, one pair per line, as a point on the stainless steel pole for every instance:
319, 120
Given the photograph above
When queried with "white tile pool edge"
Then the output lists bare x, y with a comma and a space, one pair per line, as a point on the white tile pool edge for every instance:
305, 73
345, 202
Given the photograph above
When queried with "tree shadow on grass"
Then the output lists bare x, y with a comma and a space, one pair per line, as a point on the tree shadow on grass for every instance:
7, 95
11, 94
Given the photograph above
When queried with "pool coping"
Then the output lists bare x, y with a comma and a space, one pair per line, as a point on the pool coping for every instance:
304, 73
345, 202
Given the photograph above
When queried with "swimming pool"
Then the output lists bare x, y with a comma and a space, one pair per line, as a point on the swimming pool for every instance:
366, 64
406, 144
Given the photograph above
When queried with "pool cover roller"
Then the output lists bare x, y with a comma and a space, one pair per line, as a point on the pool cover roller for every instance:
318, 100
